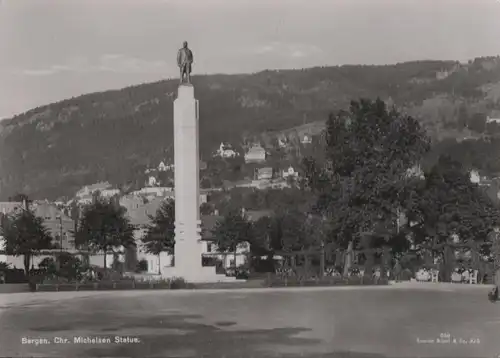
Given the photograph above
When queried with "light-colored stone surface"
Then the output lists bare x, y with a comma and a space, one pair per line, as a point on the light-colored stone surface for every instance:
372, 322
188, 245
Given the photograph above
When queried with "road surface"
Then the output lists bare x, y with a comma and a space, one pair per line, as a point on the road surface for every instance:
377, 322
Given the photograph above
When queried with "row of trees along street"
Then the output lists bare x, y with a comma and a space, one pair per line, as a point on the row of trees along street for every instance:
352, 195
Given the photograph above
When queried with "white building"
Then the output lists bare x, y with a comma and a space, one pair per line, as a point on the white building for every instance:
492, 120
256, 154
88, 190
225, 151
416, 172
9, 207
475, 177
108, 193
152, 181
162, 167
3, 257
306, 139
165, 192
282, 142
264, 174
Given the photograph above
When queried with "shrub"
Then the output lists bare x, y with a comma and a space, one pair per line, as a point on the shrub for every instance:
406, 275
242, 274
142, 266
176, 283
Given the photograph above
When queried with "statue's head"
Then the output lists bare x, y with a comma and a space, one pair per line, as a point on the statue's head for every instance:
185, 44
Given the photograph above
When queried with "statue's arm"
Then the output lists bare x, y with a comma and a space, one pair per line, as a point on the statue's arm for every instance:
179, 58
192, 57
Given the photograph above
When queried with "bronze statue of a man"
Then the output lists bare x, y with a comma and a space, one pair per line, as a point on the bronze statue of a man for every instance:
185, 61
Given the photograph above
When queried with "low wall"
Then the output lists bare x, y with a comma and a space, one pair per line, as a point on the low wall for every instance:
277, 281
14, 287
113, 286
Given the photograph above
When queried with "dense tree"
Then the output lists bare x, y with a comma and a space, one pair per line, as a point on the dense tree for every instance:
477, 122
20, 197
232, 231
103, 226
360, 183
68, 267
160, 232
206, 209
291, 224
446, 204
25, 235
261, 243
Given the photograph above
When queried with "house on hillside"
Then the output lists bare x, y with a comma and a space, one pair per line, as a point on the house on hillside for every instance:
108, 193
85, 200
280, 183
225, 151
282, 142
492, 120
306, 139
131, 202
152, 181
256, 154
151, 192
245, 183
88, 190
264, 173
162, 167
10, 207
415, 171
475, 177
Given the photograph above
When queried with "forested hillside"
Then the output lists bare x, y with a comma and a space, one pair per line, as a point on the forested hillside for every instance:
53, 150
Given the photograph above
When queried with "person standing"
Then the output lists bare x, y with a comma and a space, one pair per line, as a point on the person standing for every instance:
397, 271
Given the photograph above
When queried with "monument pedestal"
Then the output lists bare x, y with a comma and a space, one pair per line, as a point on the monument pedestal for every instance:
188, 246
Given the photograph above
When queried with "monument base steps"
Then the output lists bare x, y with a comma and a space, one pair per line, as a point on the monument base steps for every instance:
204, 274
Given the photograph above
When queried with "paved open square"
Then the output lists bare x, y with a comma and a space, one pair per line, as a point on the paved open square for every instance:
401, 321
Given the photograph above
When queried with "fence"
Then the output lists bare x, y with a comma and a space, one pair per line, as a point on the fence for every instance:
313, 264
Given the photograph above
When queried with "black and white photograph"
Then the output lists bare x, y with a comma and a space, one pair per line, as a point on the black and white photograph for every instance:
250, 178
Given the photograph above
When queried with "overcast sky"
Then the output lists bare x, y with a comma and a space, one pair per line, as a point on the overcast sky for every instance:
54, 49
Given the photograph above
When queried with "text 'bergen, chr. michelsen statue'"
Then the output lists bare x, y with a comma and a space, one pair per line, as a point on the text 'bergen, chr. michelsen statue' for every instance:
185, 61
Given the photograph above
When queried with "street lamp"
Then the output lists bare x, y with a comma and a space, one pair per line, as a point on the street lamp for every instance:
59, 217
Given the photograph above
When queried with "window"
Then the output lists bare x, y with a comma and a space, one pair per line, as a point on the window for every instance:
209, 247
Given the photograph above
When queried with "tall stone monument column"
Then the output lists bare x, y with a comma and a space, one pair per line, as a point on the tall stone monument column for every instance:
188, 248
